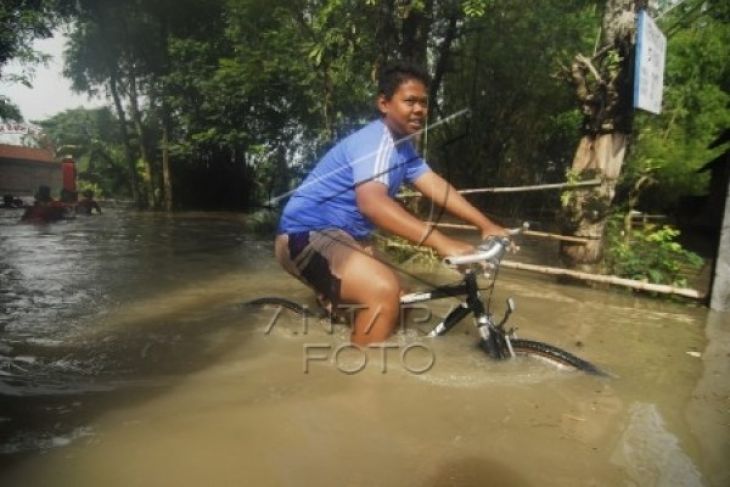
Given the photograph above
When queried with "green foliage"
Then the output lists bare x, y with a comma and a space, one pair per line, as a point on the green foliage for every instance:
401, 251
253, 91
571, 177
650, 253
92, 138
84, 185
8, 110
21, 22
695, 107
524, 124
475, 8
276, 88
263, 222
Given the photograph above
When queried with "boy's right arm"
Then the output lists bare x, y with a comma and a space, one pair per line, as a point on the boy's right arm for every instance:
375, 203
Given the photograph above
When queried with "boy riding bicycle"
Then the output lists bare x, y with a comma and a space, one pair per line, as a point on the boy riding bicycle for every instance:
323, 234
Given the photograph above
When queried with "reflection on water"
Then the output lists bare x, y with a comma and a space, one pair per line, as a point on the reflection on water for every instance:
650, 454
125, 359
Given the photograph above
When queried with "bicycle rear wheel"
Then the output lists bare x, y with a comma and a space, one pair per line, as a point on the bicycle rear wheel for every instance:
288, 304
556, 356
277, 301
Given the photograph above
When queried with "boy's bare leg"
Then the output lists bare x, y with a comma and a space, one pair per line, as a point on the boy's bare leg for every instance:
376, 290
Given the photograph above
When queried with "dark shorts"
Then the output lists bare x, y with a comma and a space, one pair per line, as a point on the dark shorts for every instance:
317, 258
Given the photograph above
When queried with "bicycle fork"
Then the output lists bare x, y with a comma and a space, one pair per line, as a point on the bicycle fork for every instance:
492, 340
497, 341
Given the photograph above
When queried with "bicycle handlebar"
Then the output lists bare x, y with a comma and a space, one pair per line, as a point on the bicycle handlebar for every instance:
491, 250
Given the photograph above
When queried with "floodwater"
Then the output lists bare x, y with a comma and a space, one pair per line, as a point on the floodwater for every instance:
125, 359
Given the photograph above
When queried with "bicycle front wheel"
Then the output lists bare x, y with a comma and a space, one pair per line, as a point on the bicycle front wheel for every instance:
554, 355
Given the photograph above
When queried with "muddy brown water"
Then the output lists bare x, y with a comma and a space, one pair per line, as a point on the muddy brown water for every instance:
125, 359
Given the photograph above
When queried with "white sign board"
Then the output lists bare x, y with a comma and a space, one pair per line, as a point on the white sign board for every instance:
651, 49
22, 134
16, 128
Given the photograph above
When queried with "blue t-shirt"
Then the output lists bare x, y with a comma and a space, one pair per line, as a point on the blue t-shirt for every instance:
326, 198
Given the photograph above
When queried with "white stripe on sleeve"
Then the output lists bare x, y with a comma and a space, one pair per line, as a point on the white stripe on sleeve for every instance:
382, 159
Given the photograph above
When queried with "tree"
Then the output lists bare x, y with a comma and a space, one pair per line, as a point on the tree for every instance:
673, 145
22, 22
668, 148
603, 85
93, 138
231, 101
95, 60
124, 48
523, 121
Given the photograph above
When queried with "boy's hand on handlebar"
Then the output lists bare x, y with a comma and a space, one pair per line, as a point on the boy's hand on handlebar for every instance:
507, 241
498, 231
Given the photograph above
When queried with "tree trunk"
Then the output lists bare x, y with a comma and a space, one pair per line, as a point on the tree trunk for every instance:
603, 88
415, 31
442, 62
131, 164
165, 114
166, 173
600, 156
327, 102
386, 35
139, 128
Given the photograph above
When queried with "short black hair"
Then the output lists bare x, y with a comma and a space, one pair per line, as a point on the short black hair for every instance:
396, 73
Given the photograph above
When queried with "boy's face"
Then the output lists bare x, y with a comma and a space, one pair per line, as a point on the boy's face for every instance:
405, 112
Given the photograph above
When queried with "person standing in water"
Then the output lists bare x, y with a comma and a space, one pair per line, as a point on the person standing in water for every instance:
45, 209
87, 205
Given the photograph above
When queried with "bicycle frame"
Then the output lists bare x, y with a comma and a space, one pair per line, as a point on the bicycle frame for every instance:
494, 339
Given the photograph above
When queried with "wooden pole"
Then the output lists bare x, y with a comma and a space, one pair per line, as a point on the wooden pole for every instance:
516, 189
617, 281
537, 187
528, 233
584, 276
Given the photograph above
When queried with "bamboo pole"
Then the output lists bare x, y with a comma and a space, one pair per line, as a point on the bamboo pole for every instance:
553, 236
617, 281
517, 189
536, 187
584, 276
529, 233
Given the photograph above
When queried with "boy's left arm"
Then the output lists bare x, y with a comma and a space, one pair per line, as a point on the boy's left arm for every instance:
444, 194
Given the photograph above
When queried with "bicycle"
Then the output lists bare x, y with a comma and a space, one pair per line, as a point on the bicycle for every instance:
495, 339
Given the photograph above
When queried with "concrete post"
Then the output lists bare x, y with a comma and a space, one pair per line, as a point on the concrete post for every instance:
720, 299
